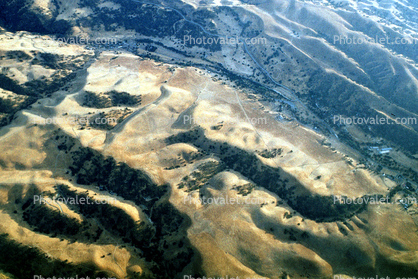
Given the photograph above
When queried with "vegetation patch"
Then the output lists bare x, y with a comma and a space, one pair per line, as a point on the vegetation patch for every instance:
201, 175
23, 262
167, 227
266, 153
43, 219
110, 99
245, 189
312, 206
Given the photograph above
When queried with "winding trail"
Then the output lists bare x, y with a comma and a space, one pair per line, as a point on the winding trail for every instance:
165, 94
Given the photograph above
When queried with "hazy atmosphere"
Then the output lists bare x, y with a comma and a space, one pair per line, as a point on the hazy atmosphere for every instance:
208, 139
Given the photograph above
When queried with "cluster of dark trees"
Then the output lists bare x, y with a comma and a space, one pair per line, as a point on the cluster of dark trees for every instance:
18, 16
46, 220
167, 224
270, 153
199, 177
309, 205
37, 88
110, 99
24, 262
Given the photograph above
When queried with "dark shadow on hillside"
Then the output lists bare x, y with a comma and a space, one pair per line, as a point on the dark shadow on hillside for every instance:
309, 205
